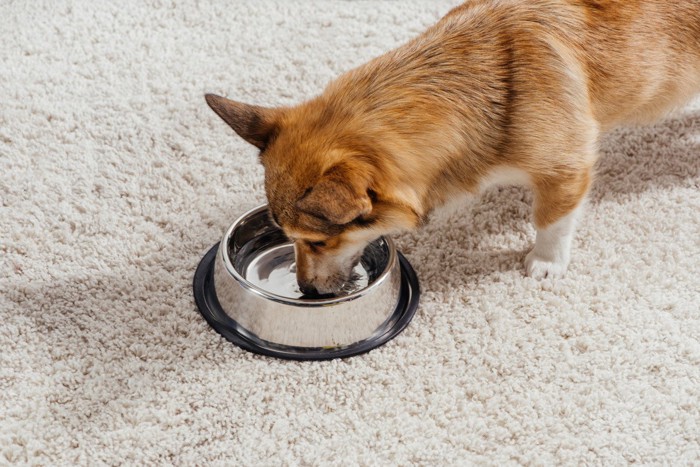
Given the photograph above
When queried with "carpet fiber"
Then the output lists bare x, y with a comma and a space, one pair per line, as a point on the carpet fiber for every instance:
115, 179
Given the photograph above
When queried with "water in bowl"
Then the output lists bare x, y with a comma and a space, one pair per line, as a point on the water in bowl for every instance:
274, 270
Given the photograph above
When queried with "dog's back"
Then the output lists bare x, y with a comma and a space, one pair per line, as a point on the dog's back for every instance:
643, 57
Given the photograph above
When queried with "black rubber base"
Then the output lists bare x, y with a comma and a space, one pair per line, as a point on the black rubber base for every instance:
210, 308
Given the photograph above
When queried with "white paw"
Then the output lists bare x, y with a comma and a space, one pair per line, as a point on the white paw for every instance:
539, 267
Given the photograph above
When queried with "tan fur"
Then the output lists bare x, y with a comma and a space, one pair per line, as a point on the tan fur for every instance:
520, 84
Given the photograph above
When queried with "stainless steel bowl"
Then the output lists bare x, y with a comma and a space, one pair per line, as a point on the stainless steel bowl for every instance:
256, 285
248, 292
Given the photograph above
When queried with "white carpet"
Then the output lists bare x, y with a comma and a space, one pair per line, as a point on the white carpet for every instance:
115, 178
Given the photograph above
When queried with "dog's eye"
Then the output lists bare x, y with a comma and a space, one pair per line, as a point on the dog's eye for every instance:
317, 244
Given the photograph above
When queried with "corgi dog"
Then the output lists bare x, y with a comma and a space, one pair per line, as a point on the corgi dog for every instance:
514, 91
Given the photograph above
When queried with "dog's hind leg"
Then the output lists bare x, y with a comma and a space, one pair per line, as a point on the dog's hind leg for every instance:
559, 202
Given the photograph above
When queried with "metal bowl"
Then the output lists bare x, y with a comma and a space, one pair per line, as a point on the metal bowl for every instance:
248, 292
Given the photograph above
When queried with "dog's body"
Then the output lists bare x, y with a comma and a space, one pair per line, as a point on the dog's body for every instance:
512, 90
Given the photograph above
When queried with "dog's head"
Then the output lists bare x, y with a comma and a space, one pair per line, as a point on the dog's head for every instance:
321, 182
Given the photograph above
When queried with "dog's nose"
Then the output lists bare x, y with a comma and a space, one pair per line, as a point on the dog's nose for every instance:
307, 289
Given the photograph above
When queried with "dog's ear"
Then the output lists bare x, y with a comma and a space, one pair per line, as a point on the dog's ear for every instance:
253, 123
340, 197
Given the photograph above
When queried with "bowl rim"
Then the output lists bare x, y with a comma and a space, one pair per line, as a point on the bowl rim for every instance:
304, 302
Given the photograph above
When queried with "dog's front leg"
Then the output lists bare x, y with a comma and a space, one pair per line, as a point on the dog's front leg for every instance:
559, 202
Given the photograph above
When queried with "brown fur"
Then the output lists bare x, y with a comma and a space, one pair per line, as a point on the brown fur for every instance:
496, 83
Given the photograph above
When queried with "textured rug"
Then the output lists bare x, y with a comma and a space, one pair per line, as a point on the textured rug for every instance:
115, 179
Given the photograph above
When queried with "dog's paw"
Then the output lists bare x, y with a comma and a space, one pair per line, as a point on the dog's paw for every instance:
539, 267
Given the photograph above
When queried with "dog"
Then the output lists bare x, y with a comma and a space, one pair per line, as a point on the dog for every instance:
498, 91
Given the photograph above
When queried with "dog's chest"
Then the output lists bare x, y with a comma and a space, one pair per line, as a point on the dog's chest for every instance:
504, 176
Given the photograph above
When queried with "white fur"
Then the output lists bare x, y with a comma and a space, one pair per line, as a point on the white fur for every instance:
505, 176
552, 252
502, 176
